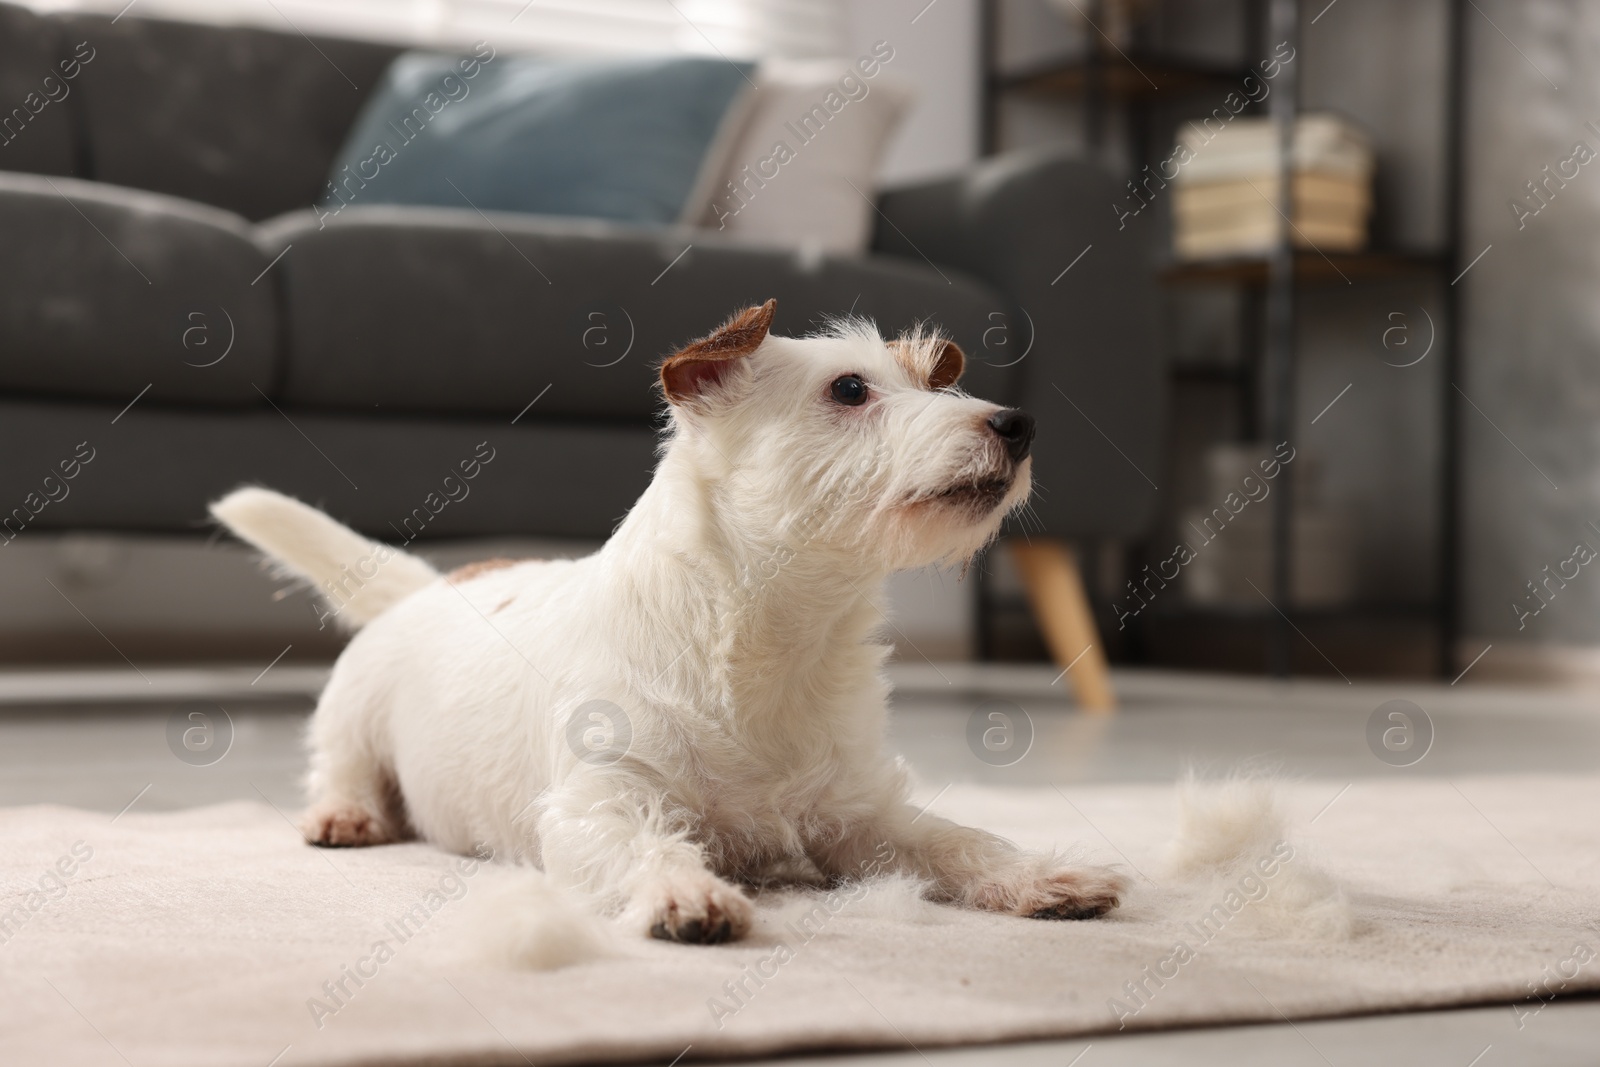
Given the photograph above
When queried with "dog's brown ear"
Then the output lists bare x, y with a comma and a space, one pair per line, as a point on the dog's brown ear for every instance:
702, 364
947, 367
938, 363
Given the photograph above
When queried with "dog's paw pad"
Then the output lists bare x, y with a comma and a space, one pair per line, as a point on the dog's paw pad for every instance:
695, 932
1075, 911
1070, 893
702, 910
1081, 893
344, 826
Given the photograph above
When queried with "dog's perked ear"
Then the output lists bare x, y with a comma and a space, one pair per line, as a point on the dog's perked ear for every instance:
947, 367
938, 363
701, 364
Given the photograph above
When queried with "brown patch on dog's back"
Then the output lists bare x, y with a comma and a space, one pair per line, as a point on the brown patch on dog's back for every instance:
482, 566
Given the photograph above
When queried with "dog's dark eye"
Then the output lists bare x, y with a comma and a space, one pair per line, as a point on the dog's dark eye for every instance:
849, 390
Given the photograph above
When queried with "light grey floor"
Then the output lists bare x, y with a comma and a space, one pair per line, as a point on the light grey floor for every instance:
67, 738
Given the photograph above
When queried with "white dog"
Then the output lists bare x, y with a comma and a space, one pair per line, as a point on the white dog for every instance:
700, 703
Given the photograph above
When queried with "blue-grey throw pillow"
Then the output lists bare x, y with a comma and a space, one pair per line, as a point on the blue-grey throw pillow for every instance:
602, 138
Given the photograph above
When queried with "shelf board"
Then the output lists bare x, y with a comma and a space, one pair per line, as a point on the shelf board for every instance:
1136, 75
1352, 613
1310, 268
1372, 642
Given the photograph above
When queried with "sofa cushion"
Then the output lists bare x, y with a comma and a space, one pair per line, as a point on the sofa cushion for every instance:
810, 150
615, 138
239, 118
104, 291
438, 310
37, 100
155, 469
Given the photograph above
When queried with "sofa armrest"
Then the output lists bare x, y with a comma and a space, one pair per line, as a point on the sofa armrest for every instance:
1040, 228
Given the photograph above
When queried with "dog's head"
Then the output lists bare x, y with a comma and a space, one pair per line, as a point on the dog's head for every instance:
847, 441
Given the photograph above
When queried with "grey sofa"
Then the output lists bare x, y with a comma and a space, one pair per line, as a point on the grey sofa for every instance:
168, 297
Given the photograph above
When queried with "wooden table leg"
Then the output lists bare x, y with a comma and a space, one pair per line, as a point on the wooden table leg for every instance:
1055, 588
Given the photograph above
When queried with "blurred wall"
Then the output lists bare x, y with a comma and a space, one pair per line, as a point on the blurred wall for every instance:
936, 51
1381, 65
1531, 322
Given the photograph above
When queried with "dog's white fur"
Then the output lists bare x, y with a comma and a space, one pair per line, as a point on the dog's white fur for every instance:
733, 617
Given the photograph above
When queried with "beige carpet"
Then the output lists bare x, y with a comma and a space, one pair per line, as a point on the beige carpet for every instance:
206, 937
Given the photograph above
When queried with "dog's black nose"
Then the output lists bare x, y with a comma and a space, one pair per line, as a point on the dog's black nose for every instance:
1015, 427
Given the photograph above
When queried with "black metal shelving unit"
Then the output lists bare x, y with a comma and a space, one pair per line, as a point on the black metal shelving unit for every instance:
1099, 76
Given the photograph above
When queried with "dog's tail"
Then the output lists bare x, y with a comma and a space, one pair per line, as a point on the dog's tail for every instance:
358, 579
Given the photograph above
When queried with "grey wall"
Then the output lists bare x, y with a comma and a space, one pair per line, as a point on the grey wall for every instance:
1531, 318
1381, 65
936, 52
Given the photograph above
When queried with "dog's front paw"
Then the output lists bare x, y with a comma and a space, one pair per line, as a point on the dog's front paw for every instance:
1066, 893
1081, 893
343, 824
696, 908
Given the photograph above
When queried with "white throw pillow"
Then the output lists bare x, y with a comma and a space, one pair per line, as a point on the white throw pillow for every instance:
802, 169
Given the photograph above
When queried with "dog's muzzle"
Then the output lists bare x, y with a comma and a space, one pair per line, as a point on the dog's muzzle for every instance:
1013, 433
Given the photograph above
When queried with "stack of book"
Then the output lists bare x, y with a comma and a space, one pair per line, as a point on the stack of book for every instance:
1226, 199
